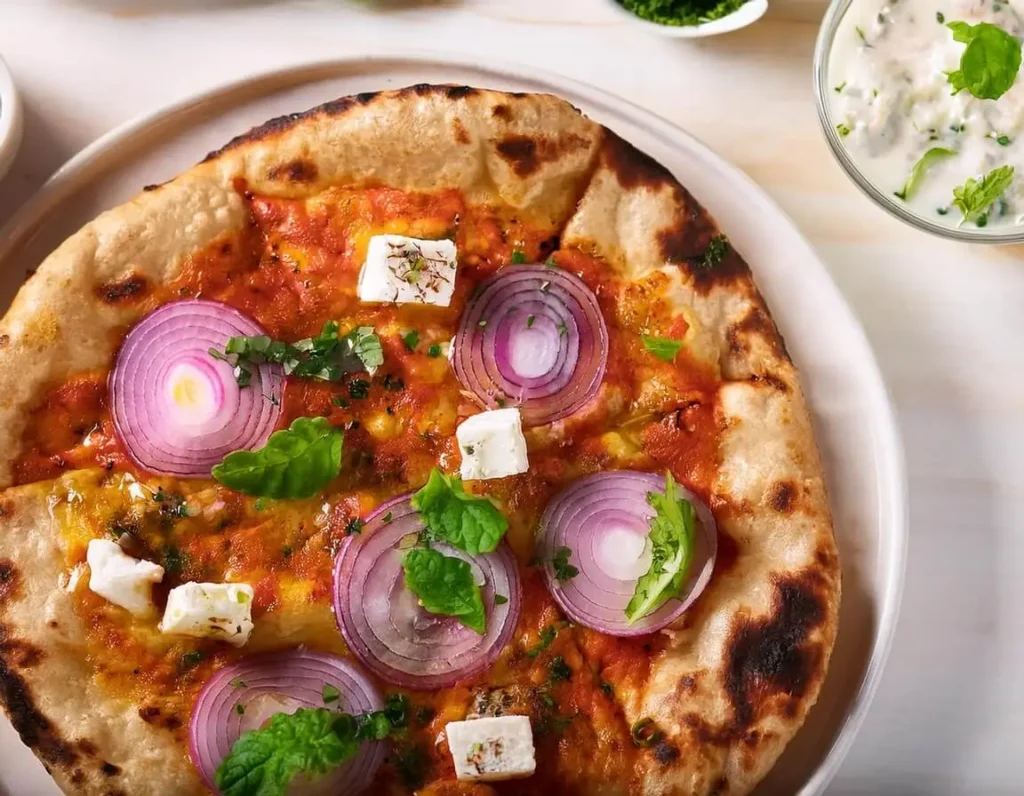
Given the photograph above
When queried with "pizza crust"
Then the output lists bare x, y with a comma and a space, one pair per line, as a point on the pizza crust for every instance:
750, 657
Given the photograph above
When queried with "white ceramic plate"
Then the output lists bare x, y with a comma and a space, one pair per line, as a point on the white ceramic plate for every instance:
10, 119
851, 410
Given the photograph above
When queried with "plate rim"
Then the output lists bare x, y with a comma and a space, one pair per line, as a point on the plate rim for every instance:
891, 476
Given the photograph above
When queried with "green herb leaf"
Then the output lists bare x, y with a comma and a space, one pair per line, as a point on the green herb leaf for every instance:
326, 357
358, 388
309, 741
500, 599
434, 351
989, 64
563, 569
411, 339
665, 348
933, 155
366, 345
295, 463
330, 693
518, 257
973, 198
559, 669
681, 12
472, 524
713, 255
445, 586
671, 539
545, 638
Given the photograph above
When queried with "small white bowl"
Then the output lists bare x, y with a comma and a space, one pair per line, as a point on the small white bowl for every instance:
10, 120
746, 14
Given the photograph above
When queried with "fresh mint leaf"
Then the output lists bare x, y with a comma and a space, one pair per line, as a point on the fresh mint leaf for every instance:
263, 762
990, 62
671, 539
444, 585
917, 173
665, 348
310, 741
295, 463
472, 524
973, 198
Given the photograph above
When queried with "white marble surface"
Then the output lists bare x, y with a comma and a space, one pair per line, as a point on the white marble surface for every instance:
946, 320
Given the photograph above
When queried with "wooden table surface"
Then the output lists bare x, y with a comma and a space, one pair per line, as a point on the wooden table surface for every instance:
946, 320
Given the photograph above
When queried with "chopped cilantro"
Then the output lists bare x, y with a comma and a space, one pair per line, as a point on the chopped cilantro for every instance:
563, 569
359, 388
518, 257
559, 669
411, 339
330, 694
354, 526
434, 350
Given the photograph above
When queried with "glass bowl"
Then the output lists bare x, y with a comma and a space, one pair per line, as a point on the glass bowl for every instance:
822, 93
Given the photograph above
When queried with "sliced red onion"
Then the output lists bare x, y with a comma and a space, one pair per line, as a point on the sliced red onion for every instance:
532, 336
177, 410
604, 519
265, 685
387, 629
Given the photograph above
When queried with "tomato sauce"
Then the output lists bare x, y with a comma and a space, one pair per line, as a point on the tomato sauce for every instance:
293, 269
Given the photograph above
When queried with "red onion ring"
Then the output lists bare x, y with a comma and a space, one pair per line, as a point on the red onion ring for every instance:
282, 683
604, 520
383, 623
551, 366
166, 357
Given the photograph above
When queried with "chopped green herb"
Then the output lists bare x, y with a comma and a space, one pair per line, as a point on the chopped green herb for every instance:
500, 599
645, 732
518, 257
940, 17
238, 682
330, 693
174, 560
388, 517
607, 689
1003, 140
500, 402
860, 34
354, 526
424, 715
337, 400
191, 660
393, 383
840, 87
551, 262
544, 640
560, 562
530, 321
681, 12
434, 351
717, 248
239, 708
411, 339
287, 551
843, 129
563, 330
942, 211
559, 669
665, 348
327, 357
358, 388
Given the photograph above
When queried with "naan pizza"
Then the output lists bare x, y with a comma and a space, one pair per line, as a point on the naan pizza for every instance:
434, 441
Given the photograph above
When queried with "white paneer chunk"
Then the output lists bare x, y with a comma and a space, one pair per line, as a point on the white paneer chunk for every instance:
401, 270
492, 445
121, 579
490, 749
220, 611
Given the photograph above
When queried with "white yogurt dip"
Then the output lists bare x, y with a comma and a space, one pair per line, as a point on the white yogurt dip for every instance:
892, 102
